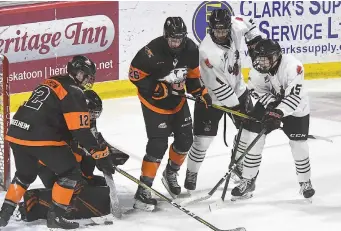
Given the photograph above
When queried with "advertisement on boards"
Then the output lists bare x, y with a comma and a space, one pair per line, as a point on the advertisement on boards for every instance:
310, 30
40, 40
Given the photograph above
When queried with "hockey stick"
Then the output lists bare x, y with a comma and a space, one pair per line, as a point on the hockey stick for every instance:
237, 113
189, 213
320, 138
242, 156
221, 181
314, 137
232, 160
115, 204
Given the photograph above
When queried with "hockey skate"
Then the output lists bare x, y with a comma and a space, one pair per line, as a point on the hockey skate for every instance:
191, 181
169, 180
244, 190
6, 213
55, 219
144, 200
307, 190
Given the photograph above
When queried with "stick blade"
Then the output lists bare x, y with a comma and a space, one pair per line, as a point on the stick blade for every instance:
115, 205
236, 229
194, 199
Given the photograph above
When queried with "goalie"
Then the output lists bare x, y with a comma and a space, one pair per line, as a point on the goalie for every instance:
36, 201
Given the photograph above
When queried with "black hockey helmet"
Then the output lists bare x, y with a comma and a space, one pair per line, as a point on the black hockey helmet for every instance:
266, 56
175, 32
94, 103
83, 70
219, 24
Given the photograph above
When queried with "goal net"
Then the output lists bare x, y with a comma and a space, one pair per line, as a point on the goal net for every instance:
5, 175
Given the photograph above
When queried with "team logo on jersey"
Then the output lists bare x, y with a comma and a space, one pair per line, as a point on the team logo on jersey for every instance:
201, 15
148, 52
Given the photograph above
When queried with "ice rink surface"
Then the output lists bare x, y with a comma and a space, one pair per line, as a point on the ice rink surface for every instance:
276, 205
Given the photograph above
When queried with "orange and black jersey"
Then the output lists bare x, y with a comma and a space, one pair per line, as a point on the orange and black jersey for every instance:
154, 62
55, 113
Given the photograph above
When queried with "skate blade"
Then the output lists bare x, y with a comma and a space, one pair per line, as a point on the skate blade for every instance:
164, 182
143, 206
190, 192
244, 197
309, 200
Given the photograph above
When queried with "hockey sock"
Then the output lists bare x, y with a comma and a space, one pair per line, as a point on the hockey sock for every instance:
253, 158
197, 152
15, 191
300, 152
176, 158
150, 165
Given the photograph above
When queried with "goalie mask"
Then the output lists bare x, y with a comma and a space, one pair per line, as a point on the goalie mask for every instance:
83, 71
94, 103
266, 56
175, 33
219, 24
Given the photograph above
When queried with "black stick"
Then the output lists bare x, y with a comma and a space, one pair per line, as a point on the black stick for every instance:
189, 213
232, 160
237, 113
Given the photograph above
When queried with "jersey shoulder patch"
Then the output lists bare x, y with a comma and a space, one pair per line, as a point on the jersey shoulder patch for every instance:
299, 69
208, 64
148, 52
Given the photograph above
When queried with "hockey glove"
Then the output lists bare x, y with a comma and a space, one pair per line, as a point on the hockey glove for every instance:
103, 160
162, 90
272, 119
203, 95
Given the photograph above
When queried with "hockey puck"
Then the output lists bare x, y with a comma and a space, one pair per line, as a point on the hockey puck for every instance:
108, 222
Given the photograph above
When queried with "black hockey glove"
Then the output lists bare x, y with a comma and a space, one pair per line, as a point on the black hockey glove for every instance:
272, 119
162, 90
202, 94
103, 160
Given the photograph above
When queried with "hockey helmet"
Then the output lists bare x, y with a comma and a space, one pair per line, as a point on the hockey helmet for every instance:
83, 70
266, 55
175, 32
219, 24
94, 103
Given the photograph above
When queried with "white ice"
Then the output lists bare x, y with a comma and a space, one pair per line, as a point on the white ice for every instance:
276, 205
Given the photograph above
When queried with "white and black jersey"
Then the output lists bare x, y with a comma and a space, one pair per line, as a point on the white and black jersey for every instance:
221, 67
286, 86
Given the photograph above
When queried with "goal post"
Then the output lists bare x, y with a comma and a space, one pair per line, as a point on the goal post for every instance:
5, 163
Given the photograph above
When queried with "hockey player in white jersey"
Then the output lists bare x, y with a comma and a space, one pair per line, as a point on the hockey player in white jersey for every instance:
220, 68
277, 81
